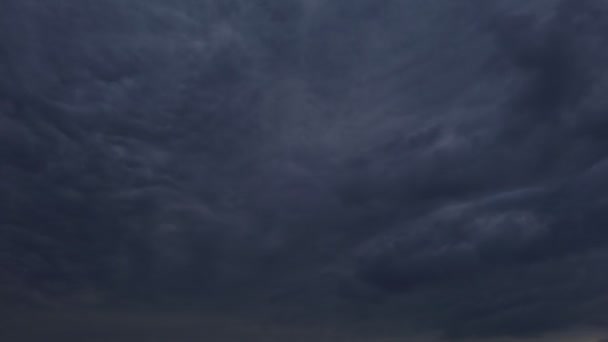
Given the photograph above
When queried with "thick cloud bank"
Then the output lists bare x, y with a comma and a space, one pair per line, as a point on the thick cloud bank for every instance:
438, 165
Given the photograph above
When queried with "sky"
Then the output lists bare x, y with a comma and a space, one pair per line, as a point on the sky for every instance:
388, 169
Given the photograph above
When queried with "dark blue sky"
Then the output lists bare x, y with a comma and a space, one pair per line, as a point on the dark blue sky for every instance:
422, 168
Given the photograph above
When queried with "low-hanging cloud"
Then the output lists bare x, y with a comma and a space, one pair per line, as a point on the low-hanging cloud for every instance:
437, 164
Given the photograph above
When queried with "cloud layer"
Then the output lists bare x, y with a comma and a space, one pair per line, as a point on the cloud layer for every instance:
434, 166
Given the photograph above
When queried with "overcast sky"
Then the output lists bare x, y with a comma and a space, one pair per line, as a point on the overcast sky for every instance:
407, 168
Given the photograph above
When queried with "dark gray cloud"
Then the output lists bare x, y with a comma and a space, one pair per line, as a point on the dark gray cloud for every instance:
432, 167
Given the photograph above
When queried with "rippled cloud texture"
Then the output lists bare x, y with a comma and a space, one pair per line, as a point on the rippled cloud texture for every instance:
435, 167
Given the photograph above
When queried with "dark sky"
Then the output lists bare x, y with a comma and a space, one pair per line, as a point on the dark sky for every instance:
406, 167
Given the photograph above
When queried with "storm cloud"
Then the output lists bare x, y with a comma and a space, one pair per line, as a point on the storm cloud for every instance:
431, 167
